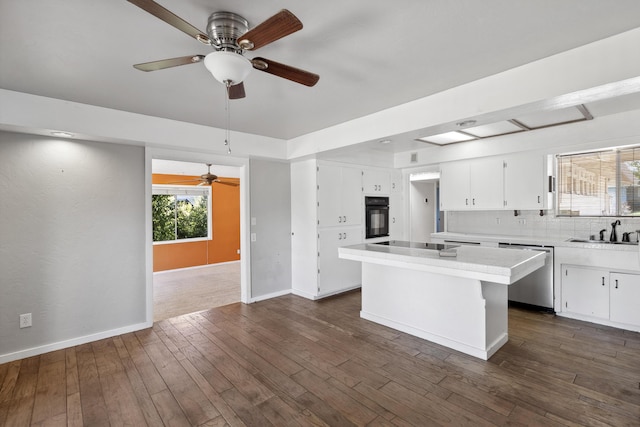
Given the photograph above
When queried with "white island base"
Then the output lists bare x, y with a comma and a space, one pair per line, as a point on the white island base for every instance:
467, 315
459, 302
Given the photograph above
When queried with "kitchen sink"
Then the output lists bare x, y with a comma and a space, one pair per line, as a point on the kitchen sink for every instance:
601, 242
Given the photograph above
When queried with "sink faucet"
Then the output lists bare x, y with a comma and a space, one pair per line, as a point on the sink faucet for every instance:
604, 230
614, 236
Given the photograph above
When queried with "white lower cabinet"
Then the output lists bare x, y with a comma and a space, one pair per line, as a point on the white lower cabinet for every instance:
585, 291
625, 298
602, 294
335, 274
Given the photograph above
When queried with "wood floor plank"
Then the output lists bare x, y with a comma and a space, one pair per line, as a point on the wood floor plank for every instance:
50, 402
94, 408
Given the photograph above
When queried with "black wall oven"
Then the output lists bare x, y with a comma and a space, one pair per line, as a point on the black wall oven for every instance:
376, 210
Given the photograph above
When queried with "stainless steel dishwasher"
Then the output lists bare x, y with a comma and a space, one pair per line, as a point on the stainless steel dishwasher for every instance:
536, 288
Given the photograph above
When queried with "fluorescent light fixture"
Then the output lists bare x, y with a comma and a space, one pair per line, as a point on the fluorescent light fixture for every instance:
61, 134
493, 129
552, 117
447, 138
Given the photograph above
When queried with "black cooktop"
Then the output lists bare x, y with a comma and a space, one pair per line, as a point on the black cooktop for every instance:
417, 245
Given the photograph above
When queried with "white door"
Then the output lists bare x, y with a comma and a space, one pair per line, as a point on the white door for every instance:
329, 200
585, 291
454, 186
337, 274
625, 298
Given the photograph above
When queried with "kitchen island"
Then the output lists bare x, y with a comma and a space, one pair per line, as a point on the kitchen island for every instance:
457, 301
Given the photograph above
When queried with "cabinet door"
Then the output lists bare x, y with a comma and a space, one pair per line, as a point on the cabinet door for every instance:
585, 291
350, 194
396, 181
396, 229
524, 182
337, 274
454, 186
625, 298
486, 183
376, 182
329, 180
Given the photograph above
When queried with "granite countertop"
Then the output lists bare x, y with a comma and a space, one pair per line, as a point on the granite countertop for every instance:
555, 241
482, 263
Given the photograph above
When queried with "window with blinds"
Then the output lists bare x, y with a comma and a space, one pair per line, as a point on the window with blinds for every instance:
180, 213
602, 183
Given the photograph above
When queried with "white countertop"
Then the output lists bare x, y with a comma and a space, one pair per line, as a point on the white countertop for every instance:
554, 241
483, 263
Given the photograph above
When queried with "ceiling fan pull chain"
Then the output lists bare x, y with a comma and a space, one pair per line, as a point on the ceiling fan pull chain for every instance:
227, 106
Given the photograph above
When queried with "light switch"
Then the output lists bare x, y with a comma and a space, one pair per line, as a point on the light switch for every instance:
253, 220
253, 237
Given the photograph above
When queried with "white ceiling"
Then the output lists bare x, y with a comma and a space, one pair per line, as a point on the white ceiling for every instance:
370, 54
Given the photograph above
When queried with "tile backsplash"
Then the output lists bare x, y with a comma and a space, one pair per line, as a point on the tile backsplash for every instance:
531, 224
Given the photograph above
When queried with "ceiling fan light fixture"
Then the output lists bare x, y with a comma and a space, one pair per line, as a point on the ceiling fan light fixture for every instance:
228, 66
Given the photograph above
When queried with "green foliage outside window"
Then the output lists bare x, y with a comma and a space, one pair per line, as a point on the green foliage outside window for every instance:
177, 217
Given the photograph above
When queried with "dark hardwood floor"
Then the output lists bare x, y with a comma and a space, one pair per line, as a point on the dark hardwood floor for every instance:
291, 361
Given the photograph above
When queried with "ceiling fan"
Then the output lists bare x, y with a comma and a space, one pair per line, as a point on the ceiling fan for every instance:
229, 35
208, 179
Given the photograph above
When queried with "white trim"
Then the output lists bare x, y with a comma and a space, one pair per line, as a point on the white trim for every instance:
34, 351
271, 295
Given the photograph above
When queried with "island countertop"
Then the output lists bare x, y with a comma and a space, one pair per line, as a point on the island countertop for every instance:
496, 265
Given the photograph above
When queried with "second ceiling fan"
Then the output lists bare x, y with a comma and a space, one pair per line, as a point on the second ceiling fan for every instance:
229, 35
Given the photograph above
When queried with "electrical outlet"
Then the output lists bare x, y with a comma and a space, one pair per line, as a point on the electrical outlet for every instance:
497, 221
25, 320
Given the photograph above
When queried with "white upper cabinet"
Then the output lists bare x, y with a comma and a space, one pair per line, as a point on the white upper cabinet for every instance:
340, 200
474, 184
486, 183
376, 182
525, 182
454, 186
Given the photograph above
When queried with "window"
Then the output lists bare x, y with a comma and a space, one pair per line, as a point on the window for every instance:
181, 213
603, 183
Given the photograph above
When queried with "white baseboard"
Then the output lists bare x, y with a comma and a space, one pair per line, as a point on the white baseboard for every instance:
34, 351
271, 295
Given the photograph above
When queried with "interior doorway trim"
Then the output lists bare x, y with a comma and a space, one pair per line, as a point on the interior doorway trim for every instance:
196, 157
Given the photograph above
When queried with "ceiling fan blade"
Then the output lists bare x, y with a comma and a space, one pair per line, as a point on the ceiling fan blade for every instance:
168, 63
232, 184
279, 25
172, 19
285, 71
236, 91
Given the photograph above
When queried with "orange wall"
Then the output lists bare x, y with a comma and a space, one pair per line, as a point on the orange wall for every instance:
225, 241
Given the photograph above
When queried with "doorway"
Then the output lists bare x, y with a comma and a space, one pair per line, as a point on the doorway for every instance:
425, 216
211, 279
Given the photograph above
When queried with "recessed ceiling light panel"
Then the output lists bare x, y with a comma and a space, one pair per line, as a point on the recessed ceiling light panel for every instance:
447, 138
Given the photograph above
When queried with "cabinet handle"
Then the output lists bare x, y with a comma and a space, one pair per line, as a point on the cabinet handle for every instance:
538, 199
393, 220
466, 202
616, 283
344, 218
339, 236
603, 281
474, 202
339, 219
345, 236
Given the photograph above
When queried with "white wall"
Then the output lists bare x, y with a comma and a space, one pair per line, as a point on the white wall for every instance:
271, 225
72, 242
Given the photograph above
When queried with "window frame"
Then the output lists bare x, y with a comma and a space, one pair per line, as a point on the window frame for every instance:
619, 152
188, 190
